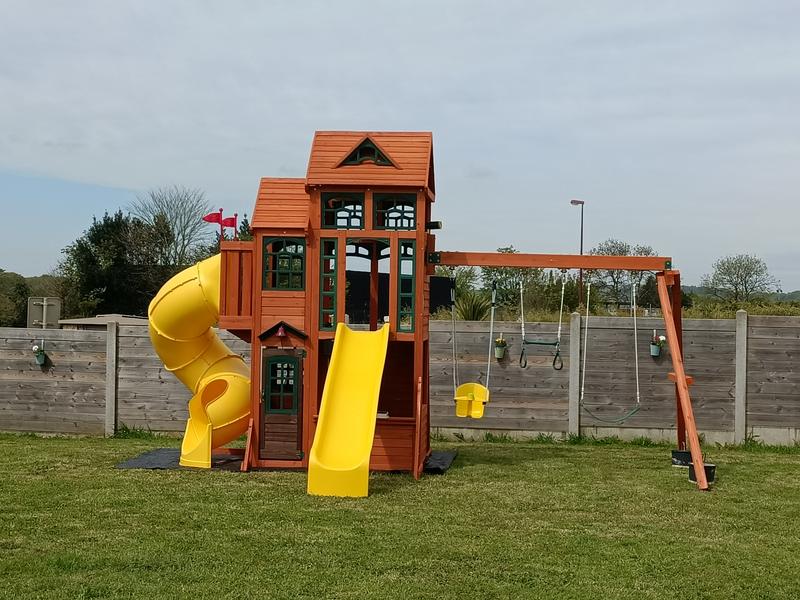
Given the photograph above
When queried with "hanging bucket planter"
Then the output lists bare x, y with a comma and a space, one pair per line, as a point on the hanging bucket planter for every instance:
39, 354
500, 345
656, 343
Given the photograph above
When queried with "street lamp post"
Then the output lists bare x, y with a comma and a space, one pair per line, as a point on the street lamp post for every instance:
576, 202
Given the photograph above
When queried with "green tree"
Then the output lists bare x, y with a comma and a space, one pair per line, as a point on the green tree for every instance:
116, 266
739, 278
509, 279
14, 292
245, 232
466, 278
612, 285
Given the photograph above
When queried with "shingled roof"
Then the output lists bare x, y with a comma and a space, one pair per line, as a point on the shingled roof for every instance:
409, 152
282, 203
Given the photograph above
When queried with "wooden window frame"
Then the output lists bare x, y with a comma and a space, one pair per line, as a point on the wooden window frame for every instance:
269, 269
394, 200
292, 362
355, 218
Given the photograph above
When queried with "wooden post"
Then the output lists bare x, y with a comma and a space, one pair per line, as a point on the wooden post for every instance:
676, 302
681, 382
740, 403
574, 427
111, 378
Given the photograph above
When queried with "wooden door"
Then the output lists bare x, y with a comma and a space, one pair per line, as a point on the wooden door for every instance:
281, 401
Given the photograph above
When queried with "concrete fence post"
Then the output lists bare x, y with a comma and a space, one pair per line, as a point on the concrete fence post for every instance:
740, 402
111, 379
574, 426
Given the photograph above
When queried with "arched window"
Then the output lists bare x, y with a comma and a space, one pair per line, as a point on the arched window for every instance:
395, 211
284, 264
342, 210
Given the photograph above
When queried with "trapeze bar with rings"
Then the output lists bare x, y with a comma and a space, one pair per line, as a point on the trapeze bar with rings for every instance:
558, 362
470, 398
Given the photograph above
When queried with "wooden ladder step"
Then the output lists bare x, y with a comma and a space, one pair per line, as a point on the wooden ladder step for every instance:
674, 378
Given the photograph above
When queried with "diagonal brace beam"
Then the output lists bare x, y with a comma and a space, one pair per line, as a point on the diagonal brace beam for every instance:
681, 380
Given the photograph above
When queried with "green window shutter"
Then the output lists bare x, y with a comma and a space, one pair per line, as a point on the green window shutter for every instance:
327, 287
405, 289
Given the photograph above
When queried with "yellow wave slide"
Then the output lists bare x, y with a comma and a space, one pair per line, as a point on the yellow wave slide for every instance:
339, 460
181, 317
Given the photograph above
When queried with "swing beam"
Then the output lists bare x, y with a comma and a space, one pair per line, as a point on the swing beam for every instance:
668, 282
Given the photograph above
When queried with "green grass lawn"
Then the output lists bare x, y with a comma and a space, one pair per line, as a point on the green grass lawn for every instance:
509, 520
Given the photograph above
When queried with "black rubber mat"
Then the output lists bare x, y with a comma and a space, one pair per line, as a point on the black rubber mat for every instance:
168, 458
439, 461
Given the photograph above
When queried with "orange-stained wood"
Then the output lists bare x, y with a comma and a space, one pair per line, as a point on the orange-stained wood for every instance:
674, 279
236, 275
282, 203
555, 261
248, 448
411, 152
672, 377
417, 432
681, 383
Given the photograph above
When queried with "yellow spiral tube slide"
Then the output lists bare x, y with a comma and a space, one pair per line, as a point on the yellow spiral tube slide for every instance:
181, 316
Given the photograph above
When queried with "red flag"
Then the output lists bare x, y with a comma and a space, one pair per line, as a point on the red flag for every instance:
215, 217
228, 222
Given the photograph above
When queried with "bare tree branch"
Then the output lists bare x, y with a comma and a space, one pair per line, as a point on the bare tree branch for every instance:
182, 209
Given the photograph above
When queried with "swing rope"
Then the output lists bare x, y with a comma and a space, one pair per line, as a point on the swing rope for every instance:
491, 333
454, 336
453, 315
558, 362
637, 406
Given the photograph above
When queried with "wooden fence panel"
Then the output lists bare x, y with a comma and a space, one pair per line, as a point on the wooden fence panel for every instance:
66, 394
535, 398
149, 396
773, 372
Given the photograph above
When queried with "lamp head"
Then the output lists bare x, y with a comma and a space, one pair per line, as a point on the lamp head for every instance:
576, 202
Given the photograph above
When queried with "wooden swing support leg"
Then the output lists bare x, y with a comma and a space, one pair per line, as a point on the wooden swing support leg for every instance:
678, 320
672, 325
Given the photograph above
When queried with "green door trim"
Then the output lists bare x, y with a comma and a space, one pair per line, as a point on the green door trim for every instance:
281, 380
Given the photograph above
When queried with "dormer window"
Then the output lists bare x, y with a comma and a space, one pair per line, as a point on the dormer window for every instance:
367, 152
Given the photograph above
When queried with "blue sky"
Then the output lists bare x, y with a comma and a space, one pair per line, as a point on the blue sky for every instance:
676, 122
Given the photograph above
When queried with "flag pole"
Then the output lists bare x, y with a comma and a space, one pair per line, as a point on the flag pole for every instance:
221, 228
235, 226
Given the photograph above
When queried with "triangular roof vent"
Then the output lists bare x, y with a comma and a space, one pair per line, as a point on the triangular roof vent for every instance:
367, 151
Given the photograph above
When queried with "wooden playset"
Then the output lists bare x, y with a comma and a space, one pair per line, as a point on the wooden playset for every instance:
366, 197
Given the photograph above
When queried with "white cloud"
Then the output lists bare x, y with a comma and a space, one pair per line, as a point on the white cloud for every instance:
677, 123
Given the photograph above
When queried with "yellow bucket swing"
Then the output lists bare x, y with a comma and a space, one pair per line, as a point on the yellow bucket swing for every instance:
470, 398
